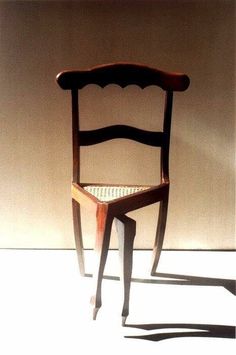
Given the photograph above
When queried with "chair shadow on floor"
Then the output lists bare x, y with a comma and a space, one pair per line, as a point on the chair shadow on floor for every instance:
188, 330
228, 284
197, 330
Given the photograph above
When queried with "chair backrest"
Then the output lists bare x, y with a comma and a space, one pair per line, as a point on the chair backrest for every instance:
122, 74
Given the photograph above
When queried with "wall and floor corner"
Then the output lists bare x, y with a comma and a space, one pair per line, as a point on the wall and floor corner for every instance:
39, 39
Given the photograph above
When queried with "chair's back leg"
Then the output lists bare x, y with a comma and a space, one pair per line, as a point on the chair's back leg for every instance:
78, 235
161, 226
126, 230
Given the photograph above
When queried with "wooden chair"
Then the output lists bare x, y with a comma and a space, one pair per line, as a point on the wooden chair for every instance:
111, 202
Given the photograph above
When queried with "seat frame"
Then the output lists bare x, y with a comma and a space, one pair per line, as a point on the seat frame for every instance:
122, 74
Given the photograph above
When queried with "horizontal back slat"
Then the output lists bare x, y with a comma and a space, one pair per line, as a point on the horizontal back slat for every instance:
100, 135
123, 74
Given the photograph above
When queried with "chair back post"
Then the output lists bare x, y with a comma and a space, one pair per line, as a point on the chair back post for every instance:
75, 135
166, 133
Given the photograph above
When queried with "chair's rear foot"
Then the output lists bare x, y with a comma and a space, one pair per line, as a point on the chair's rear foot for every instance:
155, 261
123, 320
95, 312
96, 306
153, 273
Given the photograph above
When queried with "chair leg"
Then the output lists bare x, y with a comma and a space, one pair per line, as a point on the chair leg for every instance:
104, 223
126, 229
161, 226
78, 235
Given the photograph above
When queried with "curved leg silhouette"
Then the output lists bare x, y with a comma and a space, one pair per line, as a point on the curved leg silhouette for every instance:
161, 226
78, 235
104, 223
126, 229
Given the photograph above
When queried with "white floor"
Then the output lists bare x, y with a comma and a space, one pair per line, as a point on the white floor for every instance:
44, 305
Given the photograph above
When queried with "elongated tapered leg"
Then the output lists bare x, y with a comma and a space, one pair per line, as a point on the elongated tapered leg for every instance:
126, 229
161, 226
104, 223
78, 235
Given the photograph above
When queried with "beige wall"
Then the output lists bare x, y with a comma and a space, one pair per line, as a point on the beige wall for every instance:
39, 39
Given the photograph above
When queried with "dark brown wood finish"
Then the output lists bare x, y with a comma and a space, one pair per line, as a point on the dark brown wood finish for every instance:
104, 223
100, 135
75, 135
126, 230
160, 233
122, 74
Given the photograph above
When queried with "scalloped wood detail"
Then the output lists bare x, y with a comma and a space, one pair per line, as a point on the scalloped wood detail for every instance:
123, 74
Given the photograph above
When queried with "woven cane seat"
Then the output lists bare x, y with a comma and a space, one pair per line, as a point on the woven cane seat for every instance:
108, 193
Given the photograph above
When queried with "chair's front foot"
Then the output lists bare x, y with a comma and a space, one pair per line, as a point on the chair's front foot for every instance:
124, 314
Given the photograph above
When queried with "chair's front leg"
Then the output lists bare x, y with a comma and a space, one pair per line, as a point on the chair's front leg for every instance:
126, 230
104, 223
161, 226
78, 235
